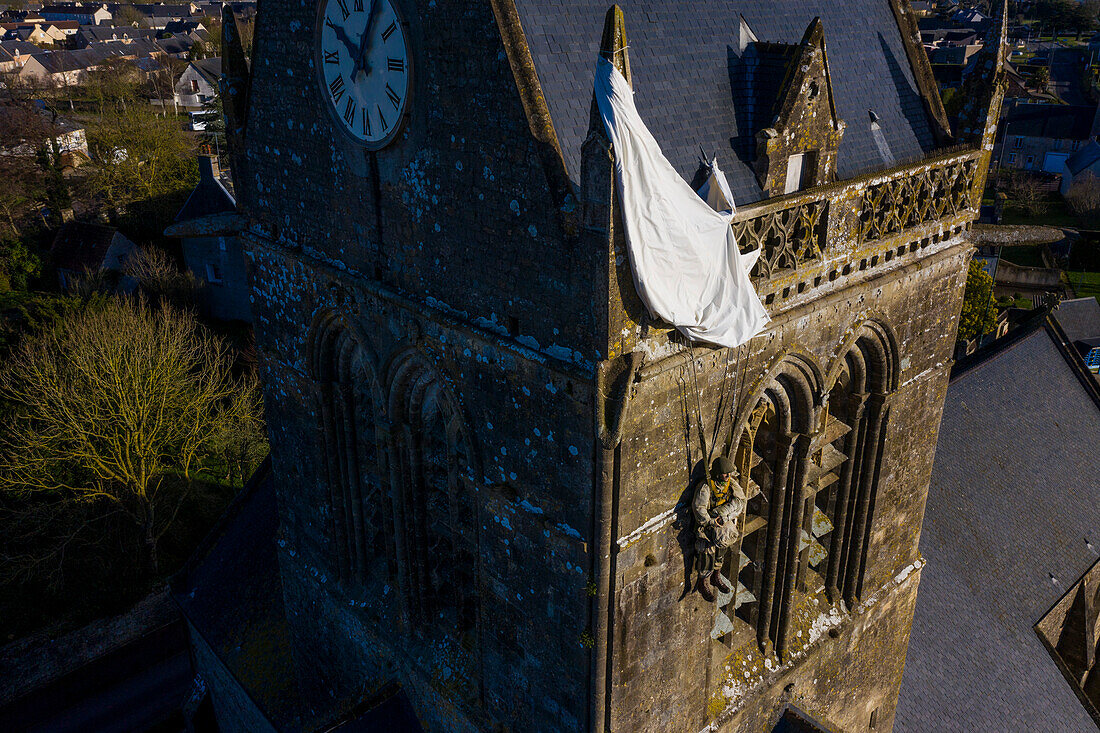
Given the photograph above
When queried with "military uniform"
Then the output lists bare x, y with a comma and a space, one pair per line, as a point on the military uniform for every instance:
717, 507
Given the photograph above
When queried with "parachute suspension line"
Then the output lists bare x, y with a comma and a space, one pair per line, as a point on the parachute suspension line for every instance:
698, 403
742, 368
723, 400
685, 413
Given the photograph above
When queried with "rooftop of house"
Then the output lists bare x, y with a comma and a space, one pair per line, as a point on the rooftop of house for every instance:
110, 32
1079, 318
1052, 121
1084, 158
211, 69
231, 594
80, 246
1011, 505
692, 81
19, 48
209, 195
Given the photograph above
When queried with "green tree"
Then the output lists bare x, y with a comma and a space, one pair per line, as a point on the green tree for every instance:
141, 158
19, 264
1040, 78
979, 313
114, 401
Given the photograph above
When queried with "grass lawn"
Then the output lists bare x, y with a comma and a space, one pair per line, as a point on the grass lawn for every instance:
1085, 284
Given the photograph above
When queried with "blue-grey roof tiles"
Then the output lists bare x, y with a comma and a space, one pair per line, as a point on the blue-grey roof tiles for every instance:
689, 76
1014, 497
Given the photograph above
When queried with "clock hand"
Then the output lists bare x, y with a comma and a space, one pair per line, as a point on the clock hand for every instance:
365, 39
342, 37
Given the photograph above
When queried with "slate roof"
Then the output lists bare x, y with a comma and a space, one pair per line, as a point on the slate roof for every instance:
113, 33
1053, 121
1012, 500
208, 197
80, 246
231, 594
1083, 158
210, 68
22, 48
689, 75
175, 44
1079, 318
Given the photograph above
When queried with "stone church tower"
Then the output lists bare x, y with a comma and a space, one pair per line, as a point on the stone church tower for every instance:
482, 445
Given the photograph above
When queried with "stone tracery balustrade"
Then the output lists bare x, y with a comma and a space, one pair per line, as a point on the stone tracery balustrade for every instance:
907, 201
796, 231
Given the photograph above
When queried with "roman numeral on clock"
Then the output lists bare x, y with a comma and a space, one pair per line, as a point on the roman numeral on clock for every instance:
394, 99
332, 57
336, 88
344, 8
366, 123
349, 111
389, 31
395, 64
359, 6
382, 119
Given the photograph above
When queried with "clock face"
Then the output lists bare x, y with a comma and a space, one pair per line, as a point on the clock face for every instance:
364, 68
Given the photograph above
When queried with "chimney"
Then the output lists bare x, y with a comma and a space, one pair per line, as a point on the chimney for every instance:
208, 168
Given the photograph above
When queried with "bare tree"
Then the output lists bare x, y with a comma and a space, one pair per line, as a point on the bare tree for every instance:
110, 403
1027, 191
159, 278
1083, 198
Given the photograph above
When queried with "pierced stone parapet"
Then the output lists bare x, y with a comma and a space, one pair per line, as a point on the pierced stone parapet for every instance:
789, 237
917, 198
827, 227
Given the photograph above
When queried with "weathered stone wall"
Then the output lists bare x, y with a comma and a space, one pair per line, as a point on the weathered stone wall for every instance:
450, 243
457, 210
531, 423
661, 634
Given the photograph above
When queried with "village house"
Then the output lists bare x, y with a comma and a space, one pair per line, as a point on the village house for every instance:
214, 259
13, 54
198, 84
83, 248
111, 34
1041, 137
84, 14
1085, 162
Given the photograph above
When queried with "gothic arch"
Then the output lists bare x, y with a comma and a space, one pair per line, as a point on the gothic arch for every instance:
862, 379
877, 340
347, 391
433, 472
772, 454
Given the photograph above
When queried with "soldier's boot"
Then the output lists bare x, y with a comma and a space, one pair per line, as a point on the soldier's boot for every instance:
704, 589
719, 581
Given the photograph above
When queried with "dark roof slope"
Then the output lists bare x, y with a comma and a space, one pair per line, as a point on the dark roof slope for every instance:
210, 68
1055, 121
231, 593
1083, 158
689, 76
1012, 501
81, 245
1079, 318
208, 197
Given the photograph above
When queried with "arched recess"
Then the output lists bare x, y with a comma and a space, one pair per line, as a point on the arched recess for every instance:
434, 471
861, 383
772, 453
347, 393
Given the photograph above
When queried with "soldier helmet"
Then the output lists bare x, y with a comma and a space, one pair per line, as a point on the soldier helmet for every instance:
720, 466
